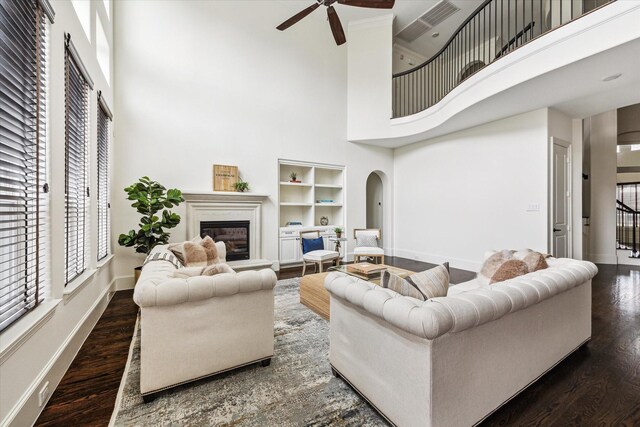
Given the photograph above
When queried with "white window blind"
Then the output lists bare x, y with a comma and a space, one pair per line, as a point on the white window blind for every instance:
23, 198
104, 118
76, 172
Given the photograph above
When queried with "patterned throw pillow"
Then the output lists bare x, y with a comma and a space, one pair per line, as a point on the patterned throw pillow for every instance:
433, 282
399, 285
200, 255
501, 266
366, 240
508, 270
162, 256
535, 261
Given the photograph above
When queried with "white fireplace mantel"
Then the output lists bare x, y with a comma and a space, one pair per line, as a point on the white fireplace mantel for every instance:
227, 206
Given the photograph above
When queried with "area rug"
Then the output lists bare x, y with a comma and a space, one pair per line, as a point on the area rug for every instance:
297, 389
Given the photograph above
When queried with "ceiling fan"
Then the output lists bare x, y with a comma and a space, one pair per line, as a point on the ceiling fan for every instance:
334, 20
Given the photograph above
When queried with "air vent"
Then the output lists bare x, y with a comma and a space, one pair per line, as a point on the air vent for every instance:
434, 16
439, 13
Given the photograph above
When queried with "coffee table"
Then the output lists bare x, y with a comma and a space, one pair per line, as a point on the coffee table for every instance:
316, 297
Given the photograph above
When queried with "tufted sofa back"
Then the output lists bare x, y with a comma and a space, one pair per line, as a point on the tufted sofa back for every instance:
438, 316
157, 287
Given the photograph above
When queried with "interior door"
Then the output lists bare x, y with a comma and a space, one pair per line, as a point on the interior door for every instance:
560, 203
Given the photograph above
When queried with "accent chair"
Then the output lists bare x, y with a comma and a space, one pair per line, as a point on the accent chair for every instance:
313, 251
367, 245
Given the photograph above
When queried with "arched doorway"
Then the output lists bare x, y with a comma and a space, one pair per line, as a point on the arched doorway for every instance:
375, 217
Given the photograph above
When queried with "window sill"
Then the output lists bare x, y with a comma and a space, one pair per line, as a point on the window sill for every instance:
18, 333
104, 261
76, 284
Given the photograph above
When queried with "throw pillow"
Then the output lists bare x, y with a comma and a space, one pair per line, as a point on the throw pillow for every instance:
309, 245
508, 270
433, 282
400, 285
535, 261
214, 269
491, 265
367, 240
162, 255
200, 255
178, 248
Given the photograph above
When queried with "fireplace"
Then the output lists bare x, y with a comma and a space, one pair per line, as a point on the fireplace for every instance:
234, 234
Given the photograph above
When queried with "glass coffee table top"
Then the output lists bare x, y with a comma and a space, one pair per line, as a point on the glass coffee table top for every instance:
373, 277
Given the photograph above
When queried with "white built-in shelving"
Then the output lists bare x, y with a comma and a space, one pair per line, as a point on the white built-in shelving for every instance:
319, 193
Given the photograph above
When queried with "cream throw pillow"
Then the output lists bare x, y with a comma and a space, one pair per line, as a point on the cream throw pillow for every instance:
178, 248
198, 254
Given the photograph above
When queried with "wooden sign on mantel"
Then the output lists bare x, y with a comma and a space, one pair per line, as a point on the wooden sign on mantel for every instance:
224, 177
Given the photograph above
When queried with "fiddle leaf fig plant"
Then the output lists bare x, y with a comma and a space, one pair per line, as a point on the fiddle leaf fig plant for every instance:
153, 201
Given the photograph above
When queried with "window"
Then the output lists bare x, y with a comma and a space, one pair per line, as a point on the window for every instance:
103, 50
77, 86
23, 198
104, 117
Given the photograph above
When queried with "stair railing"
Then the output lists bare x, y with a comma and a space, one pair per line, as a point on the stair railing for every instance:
496, 28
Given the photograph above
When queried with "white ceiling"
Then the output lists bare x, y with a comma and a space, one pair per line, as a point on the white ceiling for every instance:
405, 12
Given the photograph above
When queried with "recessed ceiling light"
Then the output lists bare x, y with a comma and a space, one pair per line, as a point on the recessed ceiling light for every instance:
611, 77
436, 34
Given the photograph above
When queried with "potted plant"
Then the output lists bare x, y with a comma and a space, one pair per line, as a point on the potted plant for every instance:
294, 176
338, 232
241, 186
151, 198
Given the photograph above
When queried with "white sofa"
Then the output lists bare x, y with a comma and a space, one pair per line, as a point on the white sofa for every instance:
454, 360
200, 326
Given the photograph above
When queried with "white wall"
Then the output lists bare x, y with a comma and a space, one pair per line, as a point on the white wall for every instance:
216, 83
459, 195
40, 346
602, 244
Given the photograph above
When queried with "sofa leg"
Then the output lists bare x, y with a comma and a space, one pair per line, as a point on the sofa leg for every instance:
304, 267
334, 372
148, 398
265, 362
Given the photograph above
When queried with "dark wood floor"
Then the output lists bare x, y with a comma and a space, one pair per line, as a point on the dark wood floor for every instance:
87, 393
599, 385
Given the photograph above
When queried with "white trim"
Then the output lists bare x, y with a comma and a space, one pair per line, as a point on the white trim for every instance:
78, 283
123, 283
569, 232
464, 264
603, 259
200, 195
104, 261
25, 327
32, 390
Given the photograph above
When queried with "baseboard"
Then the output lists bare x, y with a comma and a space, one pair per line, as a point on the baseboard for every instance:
122, 283
464, 264
603, 258
27, 410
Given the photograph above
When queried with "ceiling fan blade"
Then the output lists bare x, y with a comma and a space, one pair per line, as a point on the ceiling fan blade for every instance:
336, 26
298, 16
376, 4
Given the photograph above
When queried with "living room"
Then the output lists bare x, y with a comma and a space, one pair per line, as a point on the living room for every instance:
174, 89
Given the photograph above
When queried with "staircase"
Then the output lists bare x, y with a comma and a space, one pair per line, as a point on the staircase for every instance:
628, 219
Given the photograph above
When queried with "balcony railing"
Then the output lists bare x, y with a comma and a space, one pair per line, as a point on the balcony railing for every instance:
496, 28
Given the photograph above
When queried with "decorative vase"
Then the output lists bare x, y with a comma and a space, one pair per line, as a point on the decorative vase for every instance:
338, 235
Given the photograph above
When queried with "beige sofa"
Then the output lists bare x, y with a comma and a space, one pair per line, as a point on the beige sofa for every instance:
197, 327
452, 361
